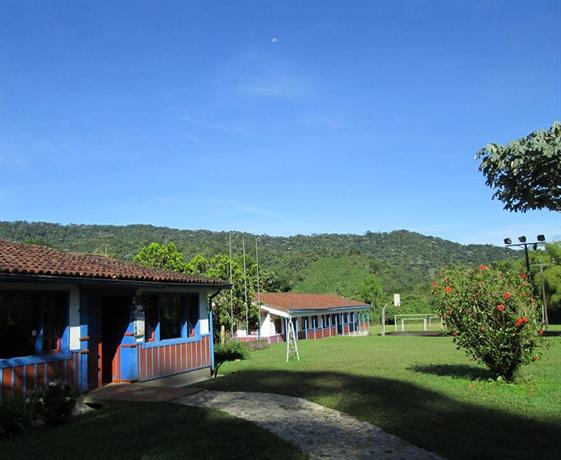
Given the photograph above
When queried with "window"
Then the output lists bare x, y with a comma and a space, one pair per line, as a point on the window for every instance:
278, 326
31, 322
171, 316
54, 320
150, 318
192, 305
171, 320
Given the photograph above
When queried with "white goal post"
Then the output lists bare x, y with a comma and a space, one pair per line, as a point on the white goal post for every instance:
427, 318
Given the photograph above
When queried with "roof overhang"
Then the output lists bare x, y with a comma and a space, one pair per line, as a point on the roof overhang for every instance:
106, 282
312, 311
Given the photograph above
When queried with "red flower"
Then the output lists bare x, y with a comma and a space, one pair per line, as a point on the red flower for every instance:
483, 267
506, 295
541, 332
501, 307
448, 289
535, 358
455, 333
433, 283
521, 321
523, 276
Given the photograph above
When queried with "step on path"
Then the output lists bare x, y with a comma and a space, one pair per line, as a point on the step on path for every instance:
319, 431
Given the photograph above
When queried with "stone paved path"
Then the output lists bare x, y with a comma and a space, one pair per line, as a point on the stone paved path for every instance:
321, 432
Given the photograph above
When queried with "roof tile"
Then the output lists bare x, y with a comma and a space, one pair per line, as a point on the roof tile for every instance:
287, 301
31, 259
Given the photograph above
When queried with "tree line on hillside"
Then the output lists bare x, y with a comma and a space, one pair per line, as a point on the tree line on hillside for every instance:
403, 261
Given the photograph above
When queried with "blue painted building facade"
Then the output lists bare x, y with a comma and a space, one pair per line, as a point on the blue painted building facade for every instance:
111, 322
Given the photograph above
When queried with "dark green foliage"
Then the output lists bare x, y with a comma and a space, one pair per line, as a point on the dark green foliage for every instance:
230, 350
344, 275
53, 403
526, 173
401, 260
15, 417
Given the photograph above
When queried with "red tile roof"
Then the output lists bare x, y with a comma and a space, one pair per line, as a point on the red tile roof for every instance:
288, 301
31, 259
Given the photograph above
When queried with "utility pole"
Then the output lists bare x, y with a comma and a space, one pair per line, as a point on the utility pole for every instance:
545, 319
245, 288
231, 292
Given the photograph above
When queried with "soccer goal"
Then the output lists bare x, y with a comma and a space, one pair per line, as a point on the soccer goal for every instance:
415, 322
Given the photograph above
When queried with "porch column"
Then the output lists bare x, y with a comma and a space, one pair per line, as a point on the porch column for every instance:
82, 383
336, 325
359, 322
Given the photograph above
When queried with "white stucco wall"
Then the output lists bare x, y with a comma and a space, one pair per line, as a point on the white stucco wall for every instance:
74, 318
203, 312
267, 326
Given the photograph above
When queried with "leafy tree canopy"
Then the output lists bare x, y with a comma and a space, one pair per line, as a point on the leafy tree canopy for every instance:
165, 256
526, 173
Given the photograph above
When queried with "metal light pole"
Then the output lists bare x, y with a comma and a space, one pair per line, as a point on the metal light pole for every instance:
545, 319
524, 243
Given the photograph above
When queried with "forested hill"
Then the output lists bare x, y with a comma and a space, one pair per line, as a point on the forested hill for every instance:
401, 259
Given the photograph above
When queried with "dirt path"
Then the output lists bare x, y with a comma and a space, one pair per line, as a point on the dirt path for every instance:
317, 430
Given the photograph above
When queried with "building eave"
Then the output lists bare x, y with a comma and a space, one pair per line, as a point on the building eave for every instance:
107, 282
313, 311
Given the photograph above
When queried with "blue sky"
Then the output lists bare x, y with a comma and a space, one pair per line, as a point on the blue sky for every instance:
278, 117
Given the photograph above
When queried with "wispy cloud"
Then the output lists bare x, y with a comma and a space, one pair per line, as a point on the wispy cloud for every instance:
243, 207
213, 125
278, 86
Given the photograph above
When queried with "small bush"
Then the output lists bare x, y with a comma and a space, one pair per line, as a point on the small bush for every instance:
260, 344
15, 417
229, 351
492, 315
53, 403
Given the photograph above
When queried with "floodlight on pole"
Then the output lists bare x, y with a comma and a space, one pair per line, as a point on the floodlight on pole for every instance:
525, 243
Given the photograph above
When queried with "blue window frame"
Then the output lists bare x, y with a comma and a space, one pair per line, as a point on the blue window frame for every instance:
171, 317
33, 323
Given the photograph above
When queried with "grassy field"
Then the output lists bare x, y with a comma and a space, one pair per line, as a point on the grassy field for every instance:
151, 431
420, 388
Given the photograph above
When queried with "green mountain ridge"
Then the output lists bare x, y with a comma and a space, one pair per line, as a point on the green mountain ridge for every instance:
402, 260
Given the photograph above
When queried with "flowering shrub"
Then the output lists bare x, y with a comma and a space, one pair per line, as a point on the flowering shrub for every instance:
492, 315
53, 403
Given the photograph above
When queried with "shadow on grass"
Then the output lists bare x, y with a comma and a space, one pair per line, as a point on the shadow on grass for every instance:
428, 419
454, 370
151, 431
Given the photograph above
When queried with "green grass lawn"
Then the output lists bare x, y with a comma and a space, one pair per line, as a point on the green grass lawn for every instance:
420, 388
151, 431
